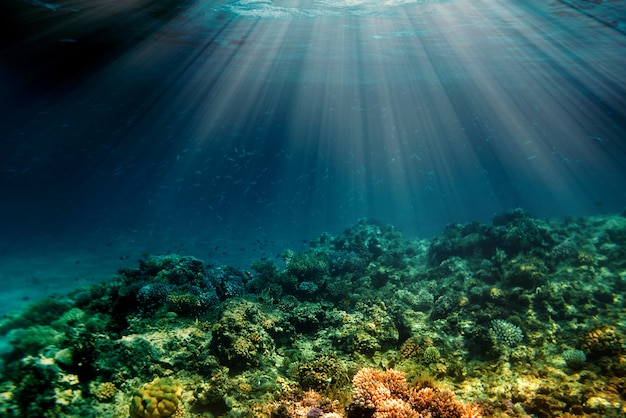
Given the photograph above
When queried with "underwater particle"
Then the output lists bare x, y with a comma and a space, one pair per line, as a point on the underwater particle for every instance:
505, 334
160, 398
574, 359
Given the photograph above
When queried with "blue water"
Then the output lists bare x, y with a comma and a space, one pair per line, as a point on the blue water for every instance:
231, 130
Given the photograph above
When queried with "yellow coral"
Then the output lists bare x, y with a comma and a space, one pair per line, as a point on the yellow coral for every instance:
602, 341
495, 293
158, 399
105, 391
586, 259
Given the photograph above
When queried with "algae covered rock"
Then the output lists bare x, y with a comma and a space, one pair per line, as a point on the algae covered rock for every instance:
513, 232
158, 399
368, 329
242, 336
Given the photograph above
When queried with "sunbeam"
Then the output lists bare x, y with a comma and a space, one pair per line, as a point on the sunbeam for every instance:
316, 208
265, 112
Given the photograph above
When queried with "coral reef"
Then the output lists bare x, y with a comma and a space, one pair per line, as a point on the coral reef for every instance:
523, 317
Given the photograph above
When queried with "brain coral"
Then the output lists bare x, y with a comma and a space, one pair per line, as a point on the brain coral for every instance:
158, 399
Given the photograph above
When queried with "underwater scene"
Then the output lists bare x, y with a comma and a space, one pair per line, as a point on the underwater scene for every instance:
312, 208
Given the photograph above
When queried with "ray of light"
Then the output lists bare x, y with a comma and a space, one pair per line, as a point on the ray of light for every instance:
419, 112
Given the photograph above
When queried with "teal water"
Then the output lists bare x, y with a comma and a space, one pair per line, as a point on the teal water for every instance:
239, 128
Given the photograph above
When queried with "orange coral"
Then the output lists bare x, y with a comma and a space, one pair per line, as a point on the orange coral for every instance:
371, 388
390, 396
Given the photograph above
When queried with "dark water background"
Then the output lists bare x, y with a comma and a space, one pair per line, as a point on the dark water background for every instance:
231, 130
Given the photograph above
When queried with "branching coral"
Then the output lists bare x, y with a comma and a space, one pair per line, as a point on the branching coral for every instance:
389, 395
104, 392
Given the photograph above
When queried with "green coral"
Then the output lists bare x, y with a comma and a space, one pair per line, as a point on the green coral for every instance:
431, 355
504, 334
369, 329
33, 339
184, 303
42, 312
168, 269
575, 359
321, 373
305, 273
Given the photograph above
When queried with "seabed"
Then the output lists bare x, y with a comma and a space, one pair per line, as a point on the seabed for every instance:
520, 318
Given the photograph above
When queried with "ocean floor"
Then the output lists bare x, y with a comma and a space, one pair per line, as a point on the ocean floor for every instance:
522, 317
53, 267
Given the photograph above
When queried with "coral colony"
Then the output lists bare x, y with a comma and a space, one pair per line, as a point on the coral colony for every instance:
523, 317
